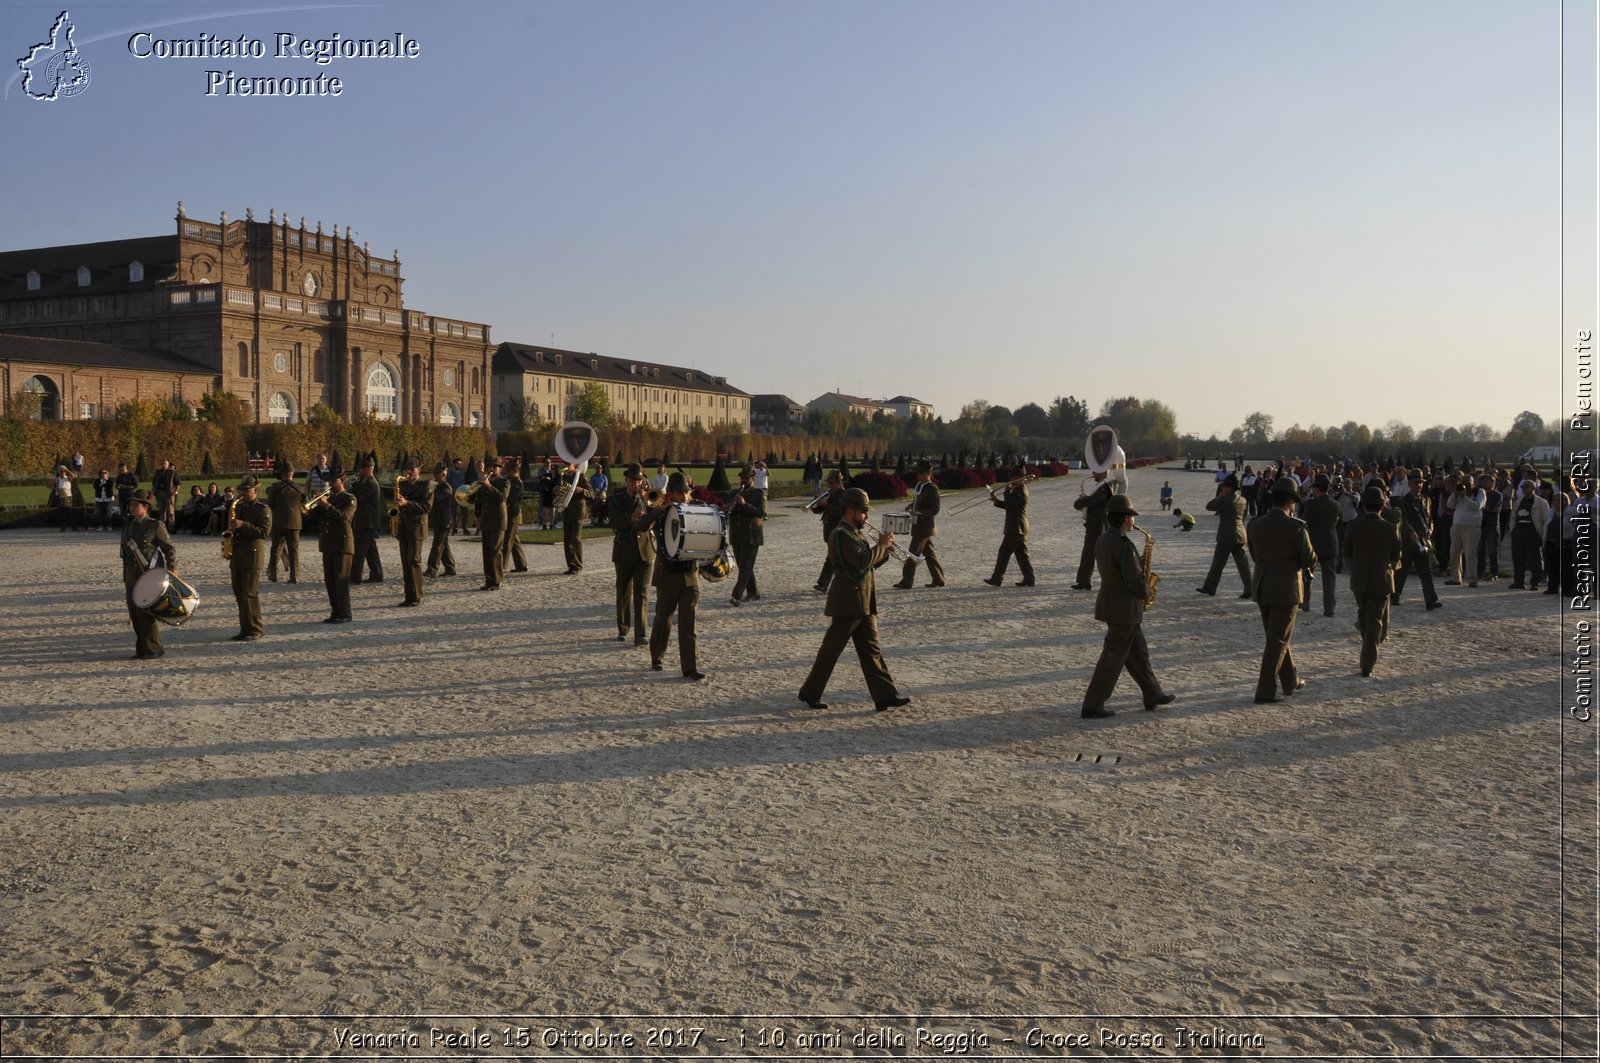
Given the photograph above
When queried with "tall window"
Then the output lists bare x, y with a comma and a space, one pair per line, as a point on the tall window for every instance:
280, 409
244, 359
83, 276
135, 271
382, 395
43, 396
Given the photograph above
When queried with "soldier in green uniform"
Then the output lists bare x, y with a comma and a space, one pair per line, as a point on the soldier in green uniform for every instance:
1282, 550
1124, 587
1093, 503
1416, 532
632, 554
1371, 550
337, 542
924, 509
489, 502
747, 516
285, 498
251, 525
853, 610
440, 516
143, 536
572, 520
514, 560
369, 522
1321, 513
415, 504
1230, 508
1014, 539
677, 585
831, 505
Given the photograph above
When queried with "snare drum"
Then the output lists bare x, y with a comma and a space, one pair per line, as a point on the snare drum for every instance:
897, 524
166, 597
694, 531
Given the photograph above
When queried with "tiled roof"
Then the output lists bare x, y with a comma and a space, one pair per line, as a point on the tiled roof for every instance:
526, 358
104, 355
108, 262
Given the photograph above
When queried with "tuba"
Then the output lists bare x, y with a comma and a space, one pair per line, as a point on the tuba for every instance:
1102, 453
576, 442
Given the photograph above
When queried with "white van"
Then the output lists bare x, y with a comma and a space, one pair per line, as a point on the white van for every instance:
1540, 455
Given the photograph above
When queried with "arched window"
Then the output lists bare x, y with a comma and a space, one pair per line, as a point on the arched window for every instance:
244, 359
43, 396
83, 276
136, 271
33, 280
280, 409
477, 419
449, 415
382, 395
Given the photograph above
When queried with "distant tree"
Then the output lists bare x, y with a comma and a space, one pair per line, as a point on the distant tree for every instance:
323, 416
592, 404
522, 415
223, 408
1398, 434
1256, 431
974, 410
1032, 420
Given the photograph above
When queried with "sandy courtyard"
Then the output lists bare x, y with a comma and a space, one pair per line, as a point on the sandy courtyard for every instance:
488, 824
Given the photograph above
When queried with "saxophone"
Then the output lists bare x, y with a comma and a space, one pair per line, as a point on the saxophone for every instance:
1144, 562
227, 533
394, 511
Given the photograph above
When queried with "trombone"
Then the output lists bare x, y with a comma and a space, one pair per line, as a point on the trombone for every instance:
968, 503
896, 551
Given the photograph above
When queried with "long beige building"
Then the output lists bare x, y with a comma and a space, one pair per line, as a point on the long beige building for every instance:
643, 393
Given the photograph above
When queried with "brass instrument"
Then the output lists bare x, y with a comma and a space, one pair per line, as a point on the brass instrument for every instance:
467, 493
227, 533
896, 551
816, 504
1144, 562
968, 503
394, 510
311, 503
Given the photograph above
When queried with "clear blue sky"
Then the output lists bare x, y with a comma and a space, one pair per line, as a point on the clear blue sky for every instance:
1327, 212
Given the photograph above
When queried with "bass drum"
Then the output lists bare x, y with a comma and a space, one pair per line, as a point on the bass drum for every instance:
166, 597
694, 531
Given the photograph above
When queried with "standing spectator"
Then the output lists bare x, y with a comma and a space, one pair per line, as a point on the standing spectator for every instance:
165, 483
1560, 542
600, 486
460, 515
1466, 528
77, 465
65, 496
127, 484
763, 478
813, 475
1488, 559
548, 481
658, 482
1249, 489
1530, 517
102, 499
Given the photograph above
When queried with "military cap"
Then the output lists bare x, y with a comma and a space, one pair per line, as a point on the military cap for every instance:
1018, 470
633, 472
439, 468
1287, 485
412, 462
247, 481
836, 477
491, 462
747, 472
336, 473
677, 482
1372, 497
924, 465
1231, 480
1322, 483
141, 496
1119, 505
855, 498
1415, 474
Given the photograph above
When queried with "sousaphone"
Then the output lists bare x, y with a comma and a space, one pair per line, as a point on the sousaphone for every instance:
1103, 454
576, 442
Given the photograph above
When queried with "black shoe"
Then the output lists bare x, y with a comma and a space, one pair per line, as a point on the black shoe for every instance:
696, 676
1299, 684
369, 579
272, 579
641, 642
1435, 605
819, 588
413, 603
1097, 714
1246, 594
733, 601
1516, 586
622, 636
148, 656
752, 597
992, 581
1197, 590
655, 666
901, 586
1081, 587
1269, 701
813, 704
244, 636
893, 703
430, 575
293, 580
1023, 583
490, 587
332, 620
939, 584
1165, 699
1366, 672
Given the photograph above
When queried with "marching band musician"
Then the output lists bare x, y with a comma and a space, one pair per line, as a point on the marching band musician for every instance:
1321, 514
1372, 549
142, 536
747, 516
1093, 505
1120, 606
677, 584
923, 509
285, 498
514, 559
489, 500
337, 542
632, 554
369, 522
415, 504
572, 520
440, 518
1282, 550
1014, 540
251, 525
831, 505
853, 608
1231, 508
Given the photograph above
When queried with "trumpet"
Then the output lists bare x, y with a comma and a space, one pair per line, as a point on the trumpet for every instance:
896, 551
311, 503
816, 504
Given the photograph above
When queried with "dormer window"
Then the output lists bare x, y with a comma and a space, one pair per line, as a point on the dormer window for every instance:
594, 363
83, 276
136, 271
33, 280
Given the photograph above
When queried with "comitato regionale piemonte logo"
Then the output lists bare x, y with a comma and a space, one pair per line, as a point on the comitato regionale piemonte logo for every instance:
54, 69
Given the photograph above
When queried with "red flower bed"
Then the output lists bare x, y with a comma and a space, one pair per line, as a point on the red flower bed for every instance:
880, 485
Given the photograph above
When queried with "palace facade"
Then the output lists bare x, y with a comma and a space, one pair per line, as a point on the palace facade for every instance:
282, 315
533, 383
